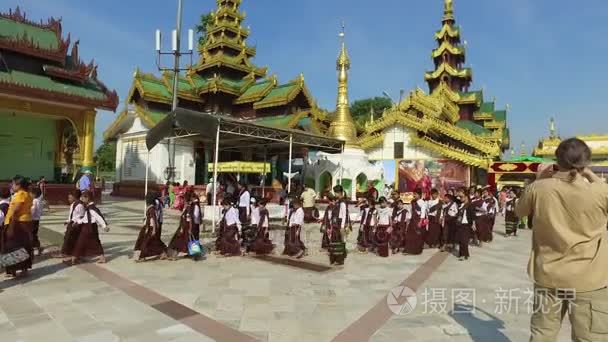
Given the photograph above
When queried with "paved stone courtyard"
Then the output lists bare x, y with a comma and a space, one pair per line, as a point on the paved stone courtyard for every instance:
250, 299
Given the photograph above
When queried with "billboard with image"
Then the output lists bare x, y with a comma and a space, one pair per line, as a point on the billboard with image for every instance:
441, 174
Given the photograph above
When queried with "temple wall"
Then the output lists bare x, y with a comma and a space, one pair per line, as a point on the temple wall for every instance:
27, 146
398, 134
132, 158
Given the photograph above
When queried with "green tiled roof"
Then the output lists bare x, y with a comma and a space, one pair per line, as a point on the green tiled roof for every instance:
500, 115
88, 90
472, 127
43, 38
236, 85
487, 107
279, 92
155, 86
478, 94
255, 89
183, 85
275, 121
198, 81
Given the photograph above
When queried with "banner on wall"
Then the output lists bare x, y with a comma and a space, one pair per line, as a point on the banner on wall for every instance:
431, 174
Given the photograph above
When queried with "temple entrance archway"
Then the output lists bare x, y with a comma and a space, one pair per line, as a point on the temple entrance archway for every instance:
361, 182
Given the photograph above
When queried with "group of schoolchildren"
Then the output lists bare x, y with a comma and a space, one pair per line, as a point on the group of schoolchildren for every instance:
396, 225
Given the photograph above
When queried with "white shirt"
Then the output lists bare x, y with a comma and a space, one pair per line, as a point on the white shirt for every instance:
231, 217
431, 203
77, 212
423, 208
384, 216
400, 218
255, 214
245, 200
464, 216
453, 209
483, 210
297, 218
95, 218
36, 209
342, 214
365, 214
197, 214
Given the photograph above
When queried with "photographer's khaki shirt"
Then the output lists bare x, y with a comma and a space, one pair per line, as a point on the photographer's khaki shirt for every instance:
569, 239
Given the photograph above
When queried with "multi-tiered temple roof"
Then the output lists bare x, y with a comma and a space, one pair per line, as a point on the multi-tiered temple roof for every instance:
226, 81
36, 62
451, 121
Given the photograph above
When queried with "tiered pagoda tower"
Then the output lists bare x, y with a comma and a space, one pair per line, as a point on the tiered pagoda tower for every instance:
224, 81
476, 115
449, 56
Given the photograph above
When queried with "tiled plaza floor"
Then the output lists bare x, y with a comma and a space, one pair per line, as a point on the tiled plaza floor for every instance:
246, 299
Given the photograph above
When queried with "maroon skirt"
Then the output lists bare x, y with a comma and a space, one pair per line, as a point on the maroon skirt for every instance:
229, 244
324, 240
433, 235
414, 240
365, 239
72, 231
88, 243
20, 238
149, 243
311, 215
243, 216
293, 244
262, 244
381, 238
396, 239
484, 228
179, 241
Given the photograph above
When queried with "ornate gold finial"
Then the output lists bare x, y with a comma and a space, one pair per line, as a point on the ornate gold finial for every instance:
342, 126
552, 131
448, 10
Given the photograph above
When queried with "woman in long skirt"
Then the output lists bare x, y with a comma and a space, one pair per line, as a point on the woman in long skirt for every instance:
433, 235
179, 242
231, 227
383, 228
262, 244
511, 220
399, 226
294, 247
326, 224
88, 243
414, 240
450, 211
72, 224
18, 227
368, 222
464, 221
149, 243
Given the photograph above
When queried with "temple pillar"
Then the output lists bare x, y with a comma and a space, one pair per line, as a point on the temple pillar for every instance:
206, 157
88, 141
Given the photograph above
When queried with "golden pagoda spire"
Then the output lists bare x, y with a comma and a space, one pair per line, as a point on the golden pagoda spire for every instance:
342, 127
448, 10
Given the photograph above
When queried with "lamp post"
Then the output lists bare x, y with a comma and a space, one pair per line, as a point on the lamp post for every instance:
177, 53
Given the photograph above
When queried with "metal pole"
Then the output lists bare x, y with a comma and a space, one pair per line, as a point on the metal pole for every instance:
289, 167
215, 185
176, 67
147, 174
342, 165
264, 175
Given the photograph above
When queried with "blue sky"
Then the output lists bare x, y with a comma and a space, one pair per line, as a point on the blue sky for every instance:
543, 57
